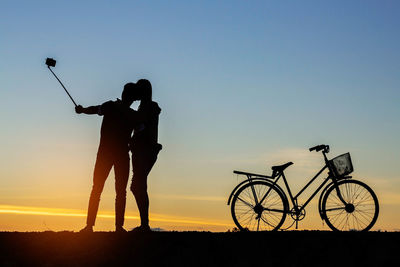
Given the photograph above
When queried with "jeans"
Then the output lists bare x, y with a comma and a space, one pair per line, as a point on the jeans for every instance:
106, 159
142, 163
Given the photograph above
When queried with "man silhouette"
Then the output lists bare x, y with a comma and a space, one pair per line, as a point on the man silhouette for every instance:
144, 147
113, 151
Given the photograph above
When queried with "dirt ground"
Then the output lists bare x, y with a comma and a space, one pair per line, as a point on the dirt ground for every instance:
291, 248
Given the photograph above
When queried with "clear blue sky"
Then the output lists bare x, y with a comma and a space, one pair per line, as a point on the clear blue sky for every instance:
237, 80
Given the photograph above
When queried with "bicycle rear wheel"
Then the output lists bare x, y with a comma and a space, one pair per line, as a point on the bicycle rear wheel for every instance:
249, 215
360, 211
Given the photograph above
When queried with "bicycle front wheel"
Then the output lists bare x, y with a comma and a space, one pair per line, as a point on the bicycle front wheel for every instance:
358, 213
250, 214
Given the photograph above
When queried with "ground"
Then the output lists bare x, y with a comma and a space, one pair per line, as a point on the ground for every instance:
290, 248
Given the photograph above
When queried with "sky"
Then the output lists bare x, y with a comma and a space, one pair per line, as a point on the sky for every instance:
243, 85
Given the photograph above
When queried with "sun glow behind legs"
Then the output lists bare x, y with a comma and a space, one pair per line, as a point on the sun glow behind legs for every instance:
163, 220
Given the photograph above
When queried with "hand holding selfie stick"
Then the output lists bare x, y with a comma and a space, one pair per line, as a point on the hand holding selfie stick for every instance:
52, 63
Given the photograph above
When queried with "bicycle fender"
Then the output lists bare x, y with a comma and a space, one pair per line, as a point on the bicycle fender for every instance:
249, 181
321, 197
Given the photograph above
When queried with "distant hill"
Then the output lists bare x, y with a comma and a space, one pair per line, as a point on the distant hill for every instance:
291, 248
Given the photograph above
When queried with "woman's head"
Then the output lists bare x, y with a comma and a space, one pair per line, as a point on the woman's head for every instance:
145, 89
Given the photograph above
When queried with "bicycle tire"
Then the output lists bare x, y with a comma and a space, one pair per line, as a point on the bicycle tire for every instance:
243, 207
360, 212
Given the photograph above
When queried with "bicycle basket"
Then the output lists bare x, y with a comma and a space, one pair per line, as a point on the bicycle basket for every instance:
341, 165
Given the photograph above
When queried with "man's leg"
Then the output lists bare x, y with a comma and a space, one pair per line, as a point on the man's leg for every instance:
121, 170
101, 170
141, 165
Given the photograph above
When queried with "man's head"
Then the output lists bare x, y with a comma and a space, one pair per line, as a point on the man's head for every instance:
130, 93
144, 86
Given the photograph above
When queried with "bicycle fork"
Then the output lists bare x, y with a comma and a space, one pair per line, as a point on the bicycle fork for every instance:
348, 207
339, 194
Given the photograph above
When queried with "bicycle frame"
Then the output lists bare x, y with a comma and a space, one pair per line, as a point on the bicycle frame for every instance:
295, 198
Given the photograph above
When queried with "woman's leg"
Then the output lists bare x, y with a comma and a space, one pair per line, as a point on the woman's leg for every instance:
141, 166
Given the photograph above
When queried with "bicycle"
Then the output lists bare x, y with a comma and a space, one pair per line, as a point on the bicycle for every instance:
260, 204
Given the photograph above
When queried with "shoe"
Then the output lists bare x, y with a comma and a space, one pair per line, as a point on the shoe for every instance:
87, 229
120, 230
141, 229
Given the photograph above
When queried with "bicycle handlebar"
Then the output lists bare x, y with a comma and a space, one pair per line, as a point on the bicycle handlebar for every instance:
319, 148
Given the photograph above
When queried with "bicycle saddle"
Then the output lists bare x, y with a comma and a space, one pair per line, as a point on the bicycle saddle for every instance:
280, 168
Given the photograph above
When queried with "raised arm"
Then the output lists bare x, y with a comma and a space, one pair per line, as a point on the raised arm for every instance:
88, 110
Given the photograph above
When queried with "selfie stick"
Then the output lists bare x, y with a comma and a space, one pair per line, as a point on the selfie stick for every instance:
52, 63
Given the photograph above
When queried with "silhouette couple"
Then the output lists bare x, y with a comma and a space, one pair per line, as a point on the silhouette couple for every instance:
116, 140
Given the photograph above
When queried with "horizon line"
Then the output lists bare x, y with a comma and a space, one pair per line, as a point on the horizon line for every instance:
26, 210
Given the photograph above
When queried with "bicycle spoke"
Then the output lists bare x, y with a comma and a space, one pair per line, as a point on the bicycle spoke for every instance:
268, 223
362, 216
360, 220
357, 221
338, 216
248, 204
275, 218
332, 209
